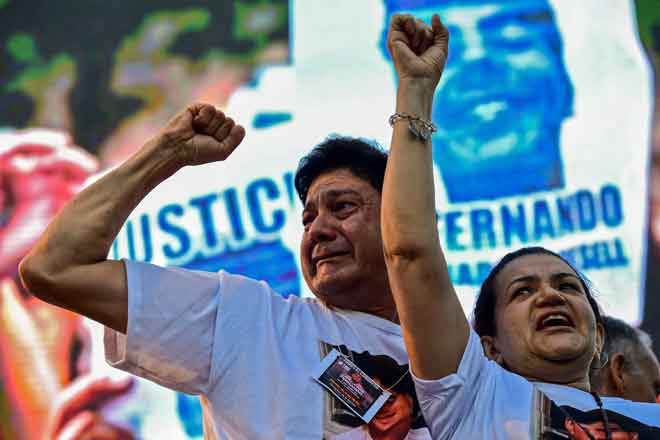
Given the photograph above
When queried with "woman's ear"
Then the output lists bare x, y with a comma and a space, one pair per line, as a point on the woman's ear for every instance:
490, 349
600, 337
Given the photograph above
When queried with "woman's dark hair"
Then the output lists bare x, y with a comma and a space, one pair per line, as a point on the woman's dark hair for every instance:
484, 308
366, 159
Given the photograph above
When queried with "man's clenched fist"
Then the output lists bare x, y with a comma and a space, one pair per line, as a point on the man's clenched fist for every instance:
202, 134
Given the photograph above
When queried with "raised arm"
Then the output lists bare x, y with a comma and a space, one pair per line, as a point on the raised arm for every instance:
68, 266
434, 326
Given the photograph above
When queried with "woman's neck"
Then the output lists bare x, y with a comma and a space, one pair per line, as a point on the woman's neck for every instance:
580, 384
577, 380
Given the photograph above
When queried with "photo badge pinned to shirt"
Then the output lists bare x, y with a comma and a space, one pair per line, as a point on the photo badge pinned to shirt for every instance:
354, 388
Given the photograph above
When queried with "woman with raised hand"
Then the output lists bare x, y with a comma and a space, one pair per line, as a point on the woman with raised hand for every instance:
523, 371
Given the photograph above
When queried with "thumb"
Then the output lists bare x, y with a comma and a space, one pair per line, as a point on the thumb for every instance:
180, 127
233, 140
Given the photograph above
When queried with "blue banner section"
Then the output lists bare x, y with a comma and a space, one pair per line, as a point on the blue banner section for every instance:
504, 95
190, 236
584, 257
532, 221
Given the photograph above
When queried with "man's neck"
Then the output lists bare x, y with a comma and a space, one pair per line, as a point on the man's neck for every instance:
385, 308
386, 312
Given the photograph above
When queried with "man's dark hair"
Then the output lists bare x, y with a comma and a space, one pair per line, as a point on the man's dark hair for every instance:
621, 338
364, 158
484, 309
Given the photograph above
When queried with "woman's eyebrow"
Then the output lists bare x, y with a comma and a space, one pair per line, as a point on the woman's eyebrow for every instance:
526, 278
561, 275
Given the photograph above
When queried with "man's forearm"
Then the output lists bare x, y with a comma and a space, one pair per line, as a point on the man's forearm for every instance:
84, 230
68, 266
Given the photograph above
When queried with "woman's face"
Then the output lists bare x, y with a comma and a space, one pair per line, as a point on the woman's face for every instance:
546, 329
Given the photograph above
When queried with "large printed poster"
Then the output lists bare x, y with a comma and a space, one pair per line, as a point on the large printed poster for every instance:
535, 143
544, 115
103, 76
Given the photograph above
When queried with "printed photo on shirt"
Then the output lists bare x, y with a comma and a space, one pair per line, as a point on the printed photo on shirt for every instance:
353, 387
399, 418
565, 422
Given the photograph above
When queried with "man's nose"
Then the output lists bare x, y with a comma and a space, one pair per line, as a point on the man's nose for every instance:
322, 228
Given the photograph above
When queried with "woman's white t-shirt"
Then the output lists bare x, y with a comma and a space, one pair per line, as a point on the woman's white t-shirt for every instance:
485, 401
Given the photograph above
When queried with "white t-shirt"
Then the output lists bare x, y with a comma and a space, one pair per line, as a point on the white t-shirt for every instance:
361, 433
246, 350
485, 401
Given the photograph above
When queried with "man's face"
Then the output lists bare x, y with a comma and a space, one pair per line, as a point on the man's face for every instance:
394, 417
341, 250
504, 87
642, 381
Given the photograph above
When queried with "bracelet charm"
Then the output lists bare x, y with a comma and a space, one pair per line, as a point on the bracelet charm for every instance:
419, 128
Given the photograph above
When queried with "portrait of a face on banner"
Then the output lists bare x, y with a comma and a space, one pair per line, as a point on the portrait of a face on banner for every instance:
544, 116
518, 154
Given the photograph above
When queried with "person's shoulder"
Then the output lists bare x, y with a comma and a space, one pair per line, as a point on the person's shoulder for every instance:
261, 289
144, 275
238, 279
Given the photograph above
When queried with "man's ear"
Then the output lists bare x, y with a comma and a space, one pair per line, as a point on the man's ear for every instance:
490, 349
616, 374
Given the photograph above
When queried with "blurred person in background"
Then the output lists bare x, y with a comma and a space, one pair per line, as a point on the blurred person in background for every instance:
632, 370
43, 348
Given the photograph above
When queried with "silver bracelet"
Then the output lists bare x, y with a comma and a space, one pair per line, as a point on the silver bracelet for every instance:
418, 127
